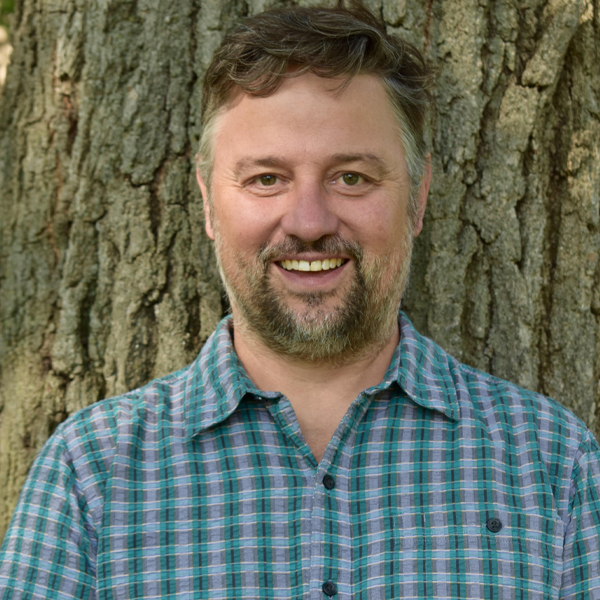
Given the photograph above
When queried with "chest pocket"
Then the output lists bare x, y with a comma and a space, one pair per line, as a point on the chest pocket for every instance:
500, 555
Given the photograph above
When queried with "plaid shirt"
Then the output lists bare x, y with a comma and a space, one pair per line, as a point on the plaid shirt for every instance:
440, 482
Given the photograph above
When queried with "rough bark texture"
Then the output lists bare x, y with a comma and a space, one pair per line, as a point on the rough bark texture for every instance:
107, 278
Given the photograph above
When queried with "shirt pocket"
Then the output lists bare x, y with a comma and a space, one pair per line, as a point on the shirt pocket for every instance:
462, 554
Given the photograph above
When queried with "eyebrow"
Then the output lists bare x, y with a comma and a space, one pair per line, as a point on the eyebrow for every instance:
277, 161
377, 162
265, 161
362, 157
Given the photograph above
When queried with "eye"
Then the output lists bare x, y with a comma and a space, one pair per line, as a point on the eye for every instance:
351, 183
266, 184
351, 178
267, 179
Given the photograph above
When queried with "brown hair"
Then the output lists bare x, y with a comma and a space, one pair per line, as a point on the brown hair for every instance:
336, 42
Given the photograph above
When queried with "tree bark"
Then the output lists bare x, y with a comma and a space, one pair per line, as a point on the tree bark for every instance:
108, 280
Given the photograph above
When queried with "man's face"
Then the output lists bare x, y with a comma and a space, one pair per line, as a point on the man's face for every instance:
309, 214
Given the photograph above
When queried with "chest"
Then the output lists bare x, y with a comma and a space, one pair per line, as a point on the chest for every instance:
392, 511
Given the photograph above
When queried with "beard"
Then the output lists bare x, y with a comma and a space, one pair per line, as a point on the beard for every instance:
363, 321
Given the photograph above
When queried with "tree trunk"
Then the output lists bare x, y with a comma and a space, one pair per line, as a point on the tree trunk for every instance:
108, 280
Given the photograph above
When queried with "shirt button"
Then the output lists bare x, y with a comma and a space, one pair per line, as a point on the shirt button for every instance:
329, 483
494, 525
330, 588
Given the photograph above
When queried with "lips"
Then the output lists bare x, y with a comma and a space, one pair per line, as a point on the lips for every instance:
326, 264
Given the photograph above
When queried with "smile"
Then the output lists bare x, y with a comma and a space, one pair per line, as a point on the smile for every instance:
314, 265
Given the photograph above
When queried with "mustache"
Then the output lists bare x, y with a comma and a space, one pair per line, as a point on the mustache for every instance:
331, 244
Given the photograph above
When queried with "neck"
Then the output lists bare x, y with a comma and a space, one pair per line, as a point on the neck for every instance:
270, 371
319, 392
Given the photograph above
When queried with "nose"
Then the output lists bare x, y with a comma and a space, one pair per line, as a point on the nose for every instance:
309, 216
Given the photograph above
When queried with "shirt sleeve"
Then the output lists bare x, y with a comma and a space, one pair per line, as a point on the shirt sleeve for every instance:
581, 573
50, 548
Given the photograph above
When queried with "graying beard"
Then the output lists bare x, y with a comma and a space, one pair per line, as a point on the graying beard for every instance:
365, 319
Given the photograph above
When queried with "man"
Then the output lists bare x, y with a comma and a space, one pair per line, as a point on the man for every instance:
319, 446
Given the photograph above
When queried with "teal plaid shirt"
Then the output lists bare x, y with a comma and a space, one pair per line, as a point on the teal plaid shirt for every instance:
440, 482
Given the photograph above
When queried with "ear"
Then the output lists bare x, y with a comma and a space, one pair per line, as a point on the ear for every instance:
422, 199
207, 215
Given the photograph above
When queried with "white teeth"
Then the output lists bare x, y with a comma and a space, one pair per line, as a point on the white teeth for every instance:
315, 265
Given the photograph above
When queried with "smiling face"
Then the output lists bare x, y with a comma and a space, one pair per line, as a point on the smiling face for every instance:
309, 213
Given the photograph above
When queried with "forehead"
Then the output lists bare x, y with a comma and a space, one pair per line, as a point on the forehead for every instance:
310, 116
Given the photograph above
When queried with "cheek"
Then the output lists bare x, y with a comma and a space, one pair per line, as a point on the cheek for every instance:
243, 225
379, 229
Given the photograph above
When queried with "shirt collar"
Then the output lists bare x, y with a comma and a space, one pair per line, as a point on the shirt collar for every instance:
427, 374
216, 382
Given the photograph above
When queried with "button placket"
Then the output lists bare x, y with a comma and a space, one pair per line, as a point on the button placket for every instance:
331, 554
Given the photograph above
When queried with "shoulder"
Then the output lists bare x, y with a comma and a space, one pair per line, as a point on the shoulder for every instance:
86, 445
501, 403
488, 398
155, 413
528, 430
535, 435
101, 424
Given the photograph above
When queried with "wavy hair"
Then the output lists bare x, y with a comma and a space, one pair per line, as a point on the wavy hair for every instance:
339, 42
